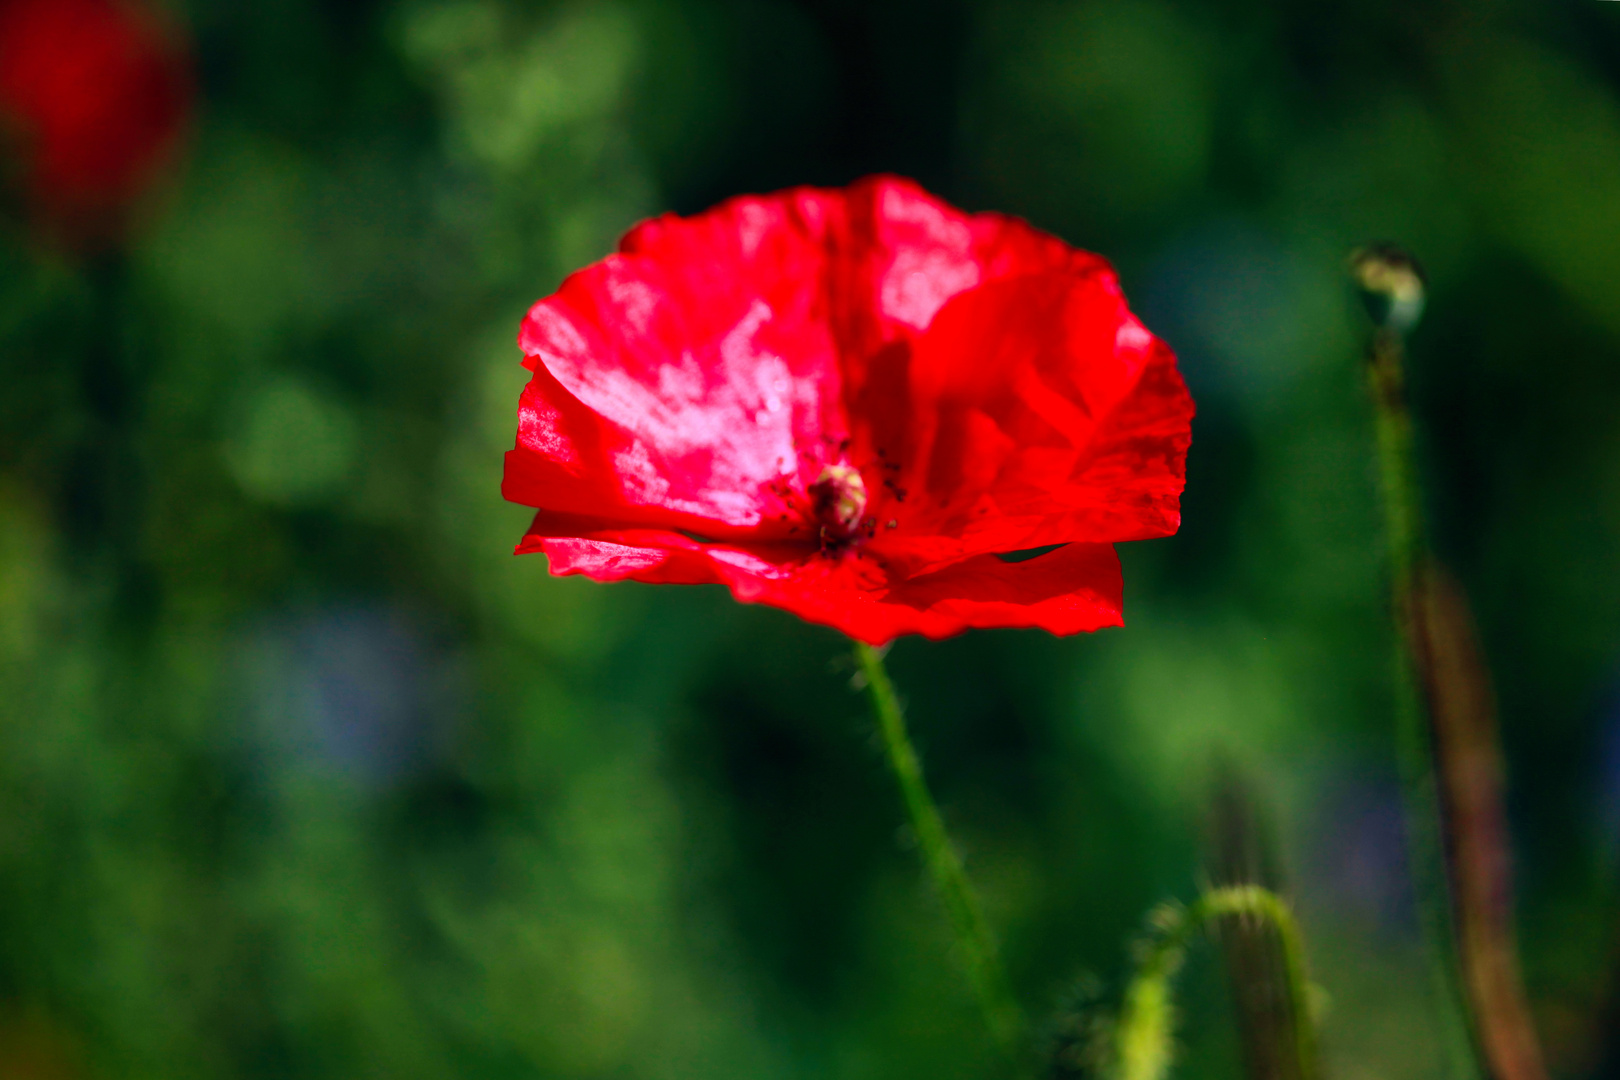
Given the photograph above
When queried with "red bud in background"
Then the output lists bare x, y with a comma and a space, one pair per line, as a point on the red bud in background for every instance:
94, 96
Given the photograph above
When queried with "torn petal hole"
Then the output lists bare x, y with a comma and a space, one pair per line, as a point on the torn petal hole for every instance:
1027, 554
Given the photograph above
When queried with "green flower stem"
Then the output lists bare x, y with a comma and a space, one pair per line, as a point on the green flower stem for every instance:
973, 938
1415, 745
1146, 1039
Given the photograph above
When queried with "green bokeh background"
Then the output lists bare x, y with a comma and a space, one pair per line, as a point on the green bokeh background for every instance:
302, 774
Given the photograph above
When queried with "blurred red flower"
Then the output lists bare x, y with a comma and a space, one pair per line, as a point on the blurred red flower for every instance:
95, 94
849, 403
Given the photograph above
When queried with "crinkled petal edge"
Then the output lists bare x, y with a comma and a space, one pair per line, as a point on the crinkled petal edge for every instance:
1074, 589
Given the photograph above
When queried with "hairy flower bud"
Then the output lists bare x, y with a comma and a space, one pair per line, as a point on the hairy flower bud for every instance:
1391, 284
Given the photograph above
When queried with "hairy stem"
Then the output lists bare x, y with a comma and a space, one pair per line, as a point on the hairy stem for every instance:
1414, 741
1145, 1041
1450, 770
973, 938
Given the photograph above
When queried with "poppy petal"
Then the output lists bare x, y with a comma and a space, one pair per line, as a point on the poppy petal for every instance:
1041, 412
1072, 589
706, 386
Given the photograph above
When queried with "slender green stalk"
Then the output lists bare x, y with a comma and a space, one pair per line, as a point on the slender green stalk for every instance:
1414, 739
1145, 1040
978, 948
1451, 761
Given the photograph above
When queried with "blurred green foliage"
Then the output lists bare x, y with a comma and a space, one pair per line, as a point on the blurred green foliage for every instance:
303, 774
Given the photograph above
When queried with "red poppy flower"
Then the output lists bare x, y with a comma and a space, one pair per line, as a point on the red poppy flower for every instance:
96, 92
851, 403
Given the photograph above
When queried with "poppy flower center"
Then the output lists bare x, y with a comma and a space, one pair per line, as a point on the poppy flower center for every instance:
838, 500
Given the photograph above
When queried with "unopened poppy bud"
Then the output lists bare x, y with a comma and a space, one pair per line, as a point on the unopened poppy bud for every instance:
98, 94
839, 498
1391, 284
